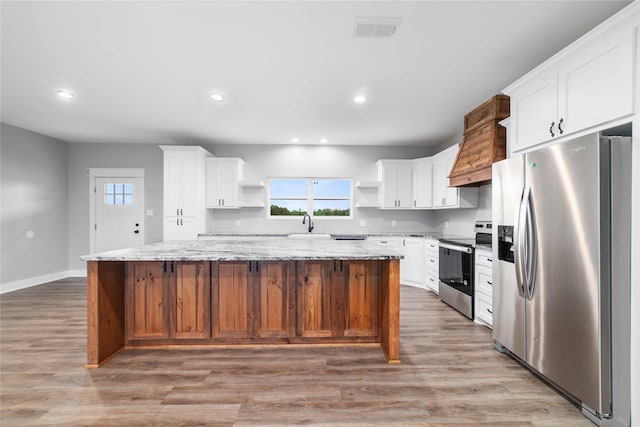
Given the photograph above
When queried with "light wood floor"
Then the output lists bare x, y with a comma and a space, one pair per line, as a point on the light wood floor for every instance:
450, 375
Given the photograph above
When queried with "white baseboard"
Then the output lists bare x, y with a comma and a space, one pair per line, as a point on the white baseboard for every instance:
77, 273
39, 280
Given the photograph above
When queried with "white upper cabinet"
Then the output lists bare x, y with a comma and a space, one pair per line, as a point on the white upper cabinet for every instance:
443, 195
595, 83
422, 183
184, 209
534, 111
396, 190
587, 85
223, 182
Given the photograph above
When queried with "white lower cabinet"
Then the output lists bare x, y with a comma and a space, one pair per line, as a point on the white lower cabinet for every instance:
484, 287
412, 265
413, 272
431, 251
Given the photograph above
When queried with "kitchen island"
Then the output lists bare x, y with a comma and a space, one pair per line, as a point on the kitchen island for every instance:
245, 292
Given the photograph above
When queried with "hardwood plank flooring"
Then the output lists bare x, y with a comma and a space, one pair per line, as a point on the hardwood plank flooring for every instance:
450, 375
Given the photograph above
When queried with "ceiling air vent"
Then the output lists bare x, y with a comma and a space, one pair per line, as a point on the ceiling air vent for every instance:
376, 28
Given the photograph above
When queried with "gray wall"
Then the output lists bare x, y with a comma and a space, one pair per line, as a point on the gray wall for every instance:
34, 195
460, 222
262, 162
85, 156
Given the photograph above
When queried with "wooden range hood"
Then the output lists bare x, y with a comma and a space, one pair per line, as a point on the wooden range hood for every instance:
483, 144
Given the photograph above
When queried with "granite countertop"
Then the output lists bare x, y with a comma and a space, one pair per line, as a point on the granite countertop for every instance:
260, 249
425, 234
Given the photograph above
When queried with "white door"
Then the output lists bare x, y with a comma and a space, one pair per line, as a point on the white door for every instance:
119, 213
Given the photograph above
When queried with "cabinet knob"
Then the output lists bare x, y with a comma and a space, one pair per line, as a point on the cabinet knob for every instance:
415, 204
490, 312
489, 259
551, 129
560, 126
490, 283
177, 212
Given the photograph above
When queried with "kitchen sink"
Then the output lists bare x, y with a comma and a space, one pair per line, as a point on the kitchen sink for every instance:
314, 236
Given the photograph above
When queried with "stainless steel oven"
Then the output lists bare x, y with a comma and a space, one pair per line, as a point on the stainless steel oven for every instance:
456, 274
457, 268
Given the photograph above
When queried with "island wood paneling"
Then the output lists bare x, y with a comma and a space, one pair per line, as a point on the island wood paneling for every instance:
275, 301
105, 310
147, 299
231, 301
363, 289
314, 299
176, 303
390, 310
191, 300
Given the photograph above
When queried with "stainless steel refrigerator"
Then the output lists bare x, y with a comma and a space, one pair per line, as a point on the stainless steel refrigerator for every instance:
562, 276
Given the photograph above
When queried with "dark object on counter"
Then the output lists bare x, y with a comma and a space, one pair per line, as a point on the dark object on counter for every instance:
349, 237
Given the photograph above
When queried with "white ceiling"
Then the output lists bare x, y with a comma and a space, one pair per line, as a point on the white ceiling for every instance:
143, 71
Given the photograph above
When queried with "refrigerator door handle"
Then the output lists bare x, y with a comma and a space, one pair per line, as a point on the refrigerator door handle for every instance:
531, 260
518, 248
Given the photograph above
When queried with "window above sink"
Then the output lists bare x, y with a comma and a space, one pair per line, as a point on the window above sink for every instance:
320, 197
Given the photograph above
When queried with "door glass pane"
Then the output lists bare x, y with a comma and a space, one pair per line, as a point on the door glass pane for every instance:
128, 199
128, 188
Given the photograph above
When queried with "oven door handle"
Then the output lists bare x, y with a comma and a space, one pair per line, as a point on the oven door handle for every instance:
464, 249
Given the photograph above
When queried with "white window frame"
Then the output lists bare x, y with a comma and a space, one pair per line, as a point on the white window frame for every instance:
309, 198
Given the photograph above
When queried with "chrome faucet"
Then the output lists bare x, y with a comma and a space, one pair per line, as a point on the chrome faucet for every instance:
304, 218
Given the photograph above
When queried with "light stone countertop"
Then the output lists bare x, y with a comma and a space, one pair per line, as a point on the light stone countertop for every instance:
260, 249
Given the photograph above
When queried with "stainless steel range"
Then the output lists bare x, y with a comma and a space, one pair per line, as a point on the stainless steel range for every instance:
456, 261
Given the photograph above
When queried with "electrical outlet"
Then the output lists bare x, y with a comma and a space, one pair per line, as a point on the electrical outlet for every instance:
446, 224
363, 223
393, 222
149, 212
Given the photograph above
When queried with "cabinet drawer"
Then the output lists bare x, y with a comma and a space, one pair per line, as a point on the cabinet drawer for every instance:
484, 258
484, 281
484, 309
432, 263
432, 282
431, 246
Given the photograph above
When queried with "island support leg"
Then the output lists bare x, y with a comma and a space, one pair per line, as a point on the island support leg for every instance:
105, 310
390, 310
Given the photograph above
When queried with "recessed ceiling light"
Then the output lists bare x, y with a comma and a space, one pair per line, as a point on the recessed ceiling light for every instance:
217, 97
324, 140
295, 140
359, 99
65, 94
